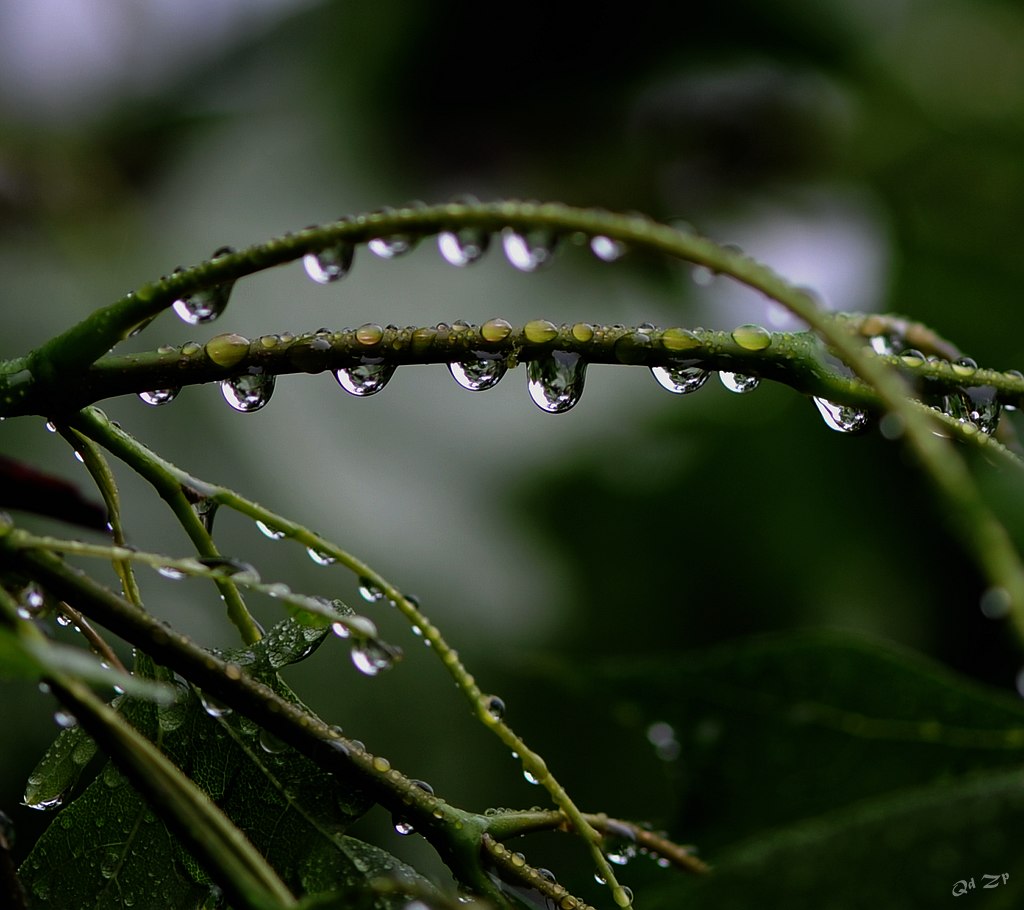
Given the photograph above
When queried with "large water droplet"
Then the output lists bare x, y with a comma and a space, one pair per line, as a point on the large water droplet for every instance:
371, 658
45, 805
392, 246
158, 397
555, 380
207, 304
680, 379
996, 603
739, 382
463, 247
213, 707
271, 744
329, 264
840, 417
752, 337
248, 392
975, 404
368, 378
267, 531
483, 371
530, 251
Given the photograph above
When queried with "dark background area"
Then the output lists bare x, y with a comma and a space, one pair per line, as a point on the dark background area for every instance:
870, 150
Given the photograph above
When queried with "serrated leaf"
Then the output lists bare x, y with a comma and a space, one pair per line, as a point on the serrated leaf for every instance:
286, 806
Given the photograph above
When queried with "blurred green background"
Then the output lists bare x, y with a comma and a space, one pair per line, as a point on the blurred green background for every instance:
868, 149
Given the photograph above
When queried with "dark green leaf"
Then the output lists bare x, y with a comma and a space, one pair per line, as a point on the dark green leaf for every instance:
830, 770
292, 811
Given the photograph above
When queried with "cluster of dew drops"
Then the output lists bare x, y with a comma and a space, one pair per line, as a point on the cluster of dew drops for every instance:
555, 379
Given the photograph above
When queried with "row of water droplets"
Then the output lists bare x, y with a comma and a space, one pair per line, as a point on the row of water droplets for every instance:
555, 379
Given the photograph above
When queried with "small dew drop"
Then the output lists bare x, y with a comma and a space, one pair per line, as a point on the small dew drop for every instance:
65, 719
157, 397
463, 247
267, 531
370, 592
368, 378
248, 392
740, 383
340, 629
213, 707
752, 337
528, 252
271, 744
495, 330
329, 264
496, 707
680, 379
555, 380
841, 418
529, 778
484, 371
606, 249
403, 826
392, 246
321, 558
171, 572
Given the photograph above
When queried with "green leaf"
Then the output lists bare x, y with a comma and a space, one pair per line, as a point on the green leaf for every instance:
825, 769
291, 811
28, 658
59, 769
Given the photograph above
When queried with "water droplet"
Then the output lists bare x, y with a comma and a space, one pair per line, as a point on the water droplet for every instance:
368, 378
555, 380
752, 337
547, 875
483, 371
171, 572
392, 246
369, 334
739, 382
63, 620
403, 826
45, 805
340, 629
110, 863
207, 304
495, 330
157, 397
371, 658
229, 567
271, 744
912, 357
662, 736
227, 350
463, 247
964, 367
680, 379
248, 392
530, 251
530, 778
995, 603
65, 719
540, 331
329, 264
211, 706
606, 249
32, 597
624, 896
582, 332
496, 707
841, 418
321, 558
370, 592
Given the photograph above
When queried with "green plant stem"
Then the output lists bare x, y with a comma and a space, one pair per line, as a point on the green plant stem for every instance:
172, 492
793, 359
453, 832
